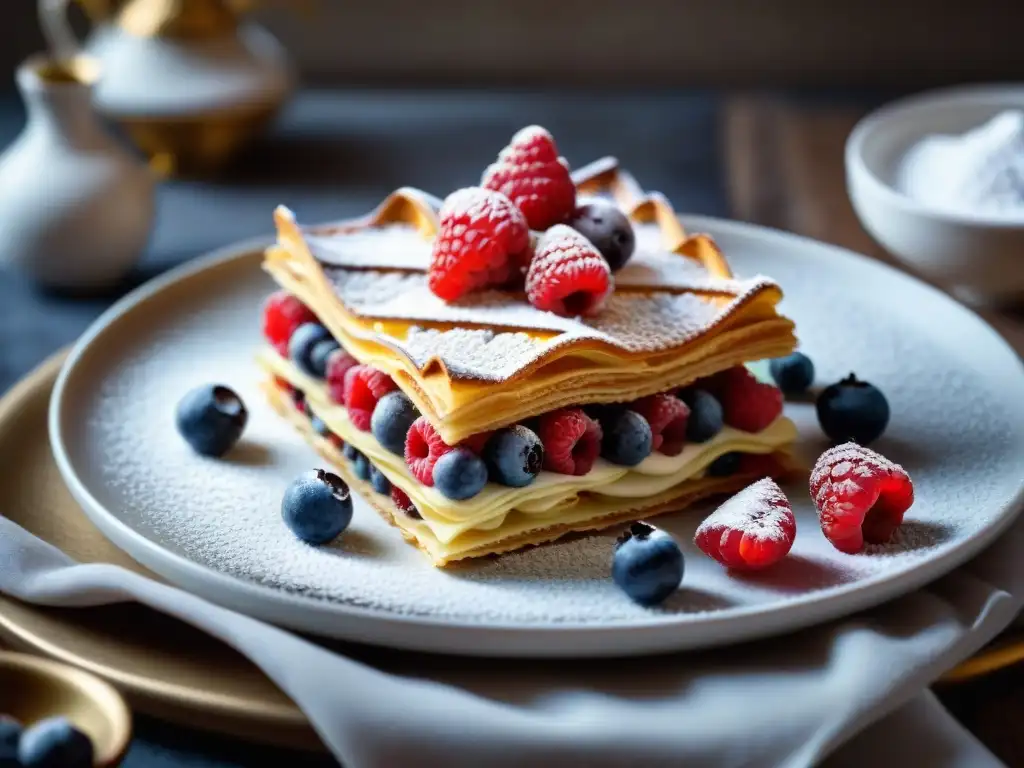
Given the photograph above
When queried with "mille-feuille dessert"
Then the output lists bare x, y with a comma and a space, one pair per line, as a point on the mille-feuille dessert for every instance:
543, 354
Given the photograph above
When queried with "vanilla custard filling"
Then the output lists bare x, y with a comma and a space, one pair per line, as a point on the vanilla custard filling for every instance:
547, 498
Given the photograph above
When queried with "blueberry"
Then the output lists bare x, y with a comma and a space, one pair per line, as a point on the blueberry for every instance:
349, 452
320, 426
379, 482
392, 417
627, 439
317, 506
608, 228
514, 456
55, 743
302, 342
725, 465
706, 418
211, 418
853, 410
793, 373
10, 733
318, 356
361, 466
460, 474
648, 564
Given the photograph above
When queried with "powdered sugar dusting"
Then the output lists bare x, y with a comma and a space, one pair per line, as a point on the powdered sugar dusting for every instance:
758, 510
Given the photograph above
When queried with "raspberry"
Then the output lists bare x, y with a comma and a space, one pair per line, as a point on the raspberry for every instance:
476, 442
479, 243
284, 385
568, 276
532, 175
571, 440
282, 314
667, 415
423, 447
860, 495
338, 365
363, 387
761, 464
752, 530
747, 404
404, 503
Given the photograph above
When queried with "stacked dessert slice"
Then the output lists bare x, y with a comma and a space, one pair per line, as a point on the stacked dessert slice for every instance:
470, 404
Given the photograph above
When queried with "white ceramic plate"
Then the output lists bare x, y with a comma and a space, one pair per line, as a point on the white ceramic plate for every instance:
214, 527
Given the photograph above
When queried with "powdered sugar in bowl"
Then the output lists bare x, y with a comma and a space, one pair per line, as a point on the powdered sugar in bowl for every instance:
937, 180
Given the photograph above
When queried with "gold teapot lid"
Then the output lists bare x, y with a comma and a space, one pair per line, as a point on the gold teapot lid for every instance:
181, 19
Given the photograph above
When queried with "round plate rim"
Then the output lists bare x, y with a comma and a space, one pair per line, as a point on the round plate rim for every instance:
522, 640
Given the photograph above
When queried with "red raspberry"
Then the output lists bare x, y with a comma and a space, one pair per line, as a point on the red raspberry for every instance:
364, 386
282, 314
860, 495
568, 275
283, 385
336, 441
338, 364
481, 237
404, 503
532, 175
476, 442
667, 415
761, 464
747, 404
571, 440
423, 447
752, 530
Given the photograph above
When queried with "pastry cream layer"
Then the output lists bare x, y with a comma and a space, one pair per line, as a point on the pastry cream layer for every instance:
552, 497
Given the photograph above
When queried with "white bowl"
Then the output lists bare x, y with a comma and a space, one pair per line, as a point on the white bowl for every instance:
979, 257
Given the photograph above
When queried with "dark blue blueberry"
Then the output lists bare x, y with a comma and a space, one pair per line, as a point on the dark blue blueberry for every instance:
319, 354
514, 456
211, 418
302, 342
320, 426
460, 474
55, 743
361, 466
10, 733
706, 418
392, 417
349, 452
648, 564
725, 465
379, 482
853, 410
627, 439
317, 506
608, 228
793, 373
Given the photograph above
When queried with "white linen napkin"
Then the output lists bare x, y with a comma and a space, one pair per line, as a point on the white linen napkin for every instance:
791, 701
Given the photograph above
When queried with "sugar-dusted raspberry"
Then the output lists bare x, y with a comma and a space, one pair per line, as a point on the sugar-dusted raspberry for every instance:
404, 503
860, 495
571, 440
747, 404
479, 244
282, 314
338, 365
476, 442
423, 447
667, 416
567, 275
532, 175
752, 530
364, 386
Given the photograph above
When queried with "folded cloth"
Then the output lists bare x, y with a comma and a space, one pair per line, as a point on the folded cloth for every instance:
790, 701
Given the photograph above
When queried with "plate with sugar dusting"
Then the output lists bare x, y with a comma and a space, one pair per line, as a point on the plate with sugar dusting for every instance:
214, 526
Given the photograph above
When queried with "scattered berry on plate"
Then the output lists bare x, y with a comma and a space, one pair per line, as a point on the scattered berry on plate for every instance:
423, 447
364, 386
300, 347
754, 529
482, 234
392, 416
379, 481
793, 373
317, 506
531, 174
747, 404
460, 474
320, 355
667, 417
706, 418
567, 275
647, 564
338, 363
362, 467
854, 410
608, 228
725, 465
282, 314
860, 495
571, 440
627, 439
404, 503
211, 418
54, 743
10, 733
514, 456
